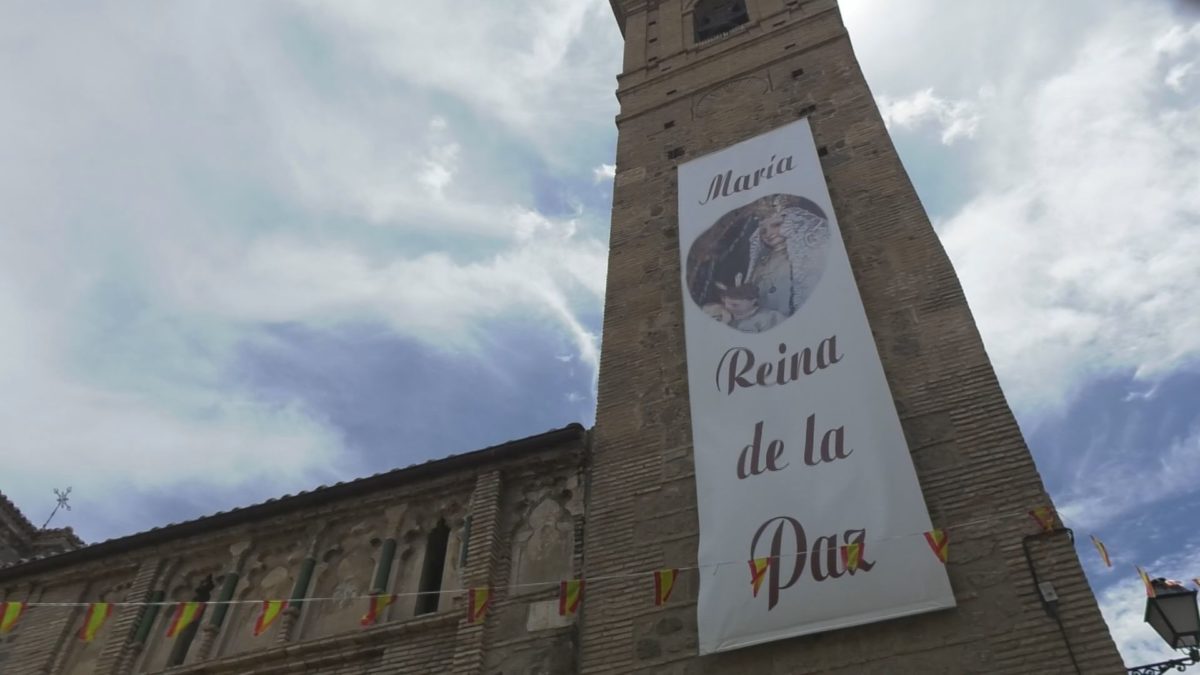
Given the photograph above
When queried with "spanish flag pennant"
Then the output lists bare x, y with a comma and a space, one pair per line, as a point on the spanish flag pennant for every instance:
570, 594
378, 603
758, 572
664, 583
1146, 580
9, 613
1102, 550
939, 541
93, 620
1044, 517
185, 614
478, 601
271, 609
851, 555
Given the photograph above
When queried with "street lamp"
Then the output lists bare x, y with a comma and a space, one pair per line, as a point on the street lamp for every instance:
1173, 614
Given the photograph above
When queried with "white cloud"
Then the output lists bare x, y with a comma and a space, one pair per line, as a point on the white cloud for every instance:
955, 119
441, 160
533, 67
1177, 39
1177, 75
1077, 251
434, 297
182, 434
1101, 494
166, 192
605, 172
1147, 395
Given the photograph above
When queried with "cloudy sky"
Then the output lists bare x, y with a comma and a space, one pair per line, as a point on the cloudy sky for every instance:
250, 248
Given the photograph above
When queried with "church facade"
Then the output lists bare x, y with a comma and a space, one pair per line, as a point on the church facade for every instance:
505, 517
612, 504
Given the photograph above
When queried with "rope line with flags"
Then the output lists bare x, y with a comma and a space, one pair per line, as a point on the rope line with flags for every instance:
570, 591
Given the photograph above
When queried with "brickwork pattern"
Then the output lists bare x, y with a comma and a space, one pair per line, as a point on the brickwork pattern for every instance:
686, 100
483, 551
519, 636
45, 643
117, 649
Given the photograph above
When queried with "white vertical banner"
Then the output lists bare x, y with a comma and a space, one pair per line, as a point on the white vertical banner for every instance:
811, 516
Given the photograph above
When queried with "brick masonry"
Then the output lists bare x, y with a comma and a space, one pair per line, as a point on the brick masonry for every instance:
515, 514
680, 100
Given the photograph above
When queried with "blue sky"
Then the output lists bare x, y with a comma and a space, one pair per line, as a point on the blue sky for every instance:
249, 250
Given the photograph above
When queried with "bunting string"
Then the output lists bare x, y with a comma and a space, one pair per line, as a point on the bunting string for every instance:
543, 584
570, 591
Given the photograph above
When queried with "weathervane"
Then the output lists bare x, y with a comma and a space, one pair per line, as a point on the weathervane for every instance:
62, 496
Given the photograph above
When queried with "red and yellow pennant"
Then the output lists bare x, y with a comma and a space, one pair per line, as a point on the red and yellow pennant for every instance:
664, 583
271, 609
1044, 517
570, 594
939, 541
378, 603
478, 601
185, 614
851, 556
9, 613
1150, 593
758, 572
93, 620
1102, 550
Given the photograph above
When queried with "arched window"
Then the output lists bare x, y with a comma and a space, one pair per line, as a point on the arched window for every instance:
430, 587
711, 18
183, 642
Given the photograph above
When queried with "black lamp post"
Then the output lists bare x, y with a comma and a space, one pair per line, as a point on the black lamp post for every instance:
1173, 614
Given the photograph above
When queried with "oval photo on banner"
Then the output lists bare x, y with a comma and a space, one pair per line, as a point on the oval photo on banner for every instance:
759, 263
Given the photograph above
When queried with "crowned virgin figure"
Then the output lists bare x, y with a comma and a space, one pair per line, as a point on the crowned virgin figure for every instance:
787, 257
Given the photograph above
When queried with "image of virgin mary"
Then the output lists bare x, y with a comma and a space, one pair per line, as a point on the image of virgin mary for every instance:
787, 257
759, 263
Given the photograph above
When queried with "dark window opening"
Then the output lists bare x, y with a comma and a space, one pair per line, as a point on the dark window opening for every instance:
183, 641
675, 153
711, 18
430, 588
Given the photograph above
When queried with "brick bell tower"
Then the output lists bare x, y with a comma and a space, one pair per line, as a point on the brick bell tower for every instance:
699, 76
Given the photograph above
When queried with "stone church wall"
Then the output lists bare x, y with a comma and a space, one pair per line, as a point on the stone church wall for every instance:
520, 502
